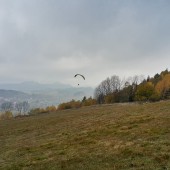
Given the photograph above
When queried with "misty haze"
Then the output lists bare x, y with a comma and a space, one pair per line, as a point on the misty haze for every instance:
84, 84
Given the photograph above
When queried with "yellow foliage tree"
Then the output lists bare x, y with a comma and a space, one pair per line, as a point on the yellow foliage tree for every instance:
146, 92
163, 85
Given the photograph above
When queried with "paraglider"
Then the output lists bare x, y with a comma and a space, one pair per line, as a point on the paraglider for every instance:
79, 75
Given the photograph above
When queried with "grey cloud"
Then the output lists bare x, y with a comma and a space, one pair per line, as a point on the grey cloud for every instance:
56, 38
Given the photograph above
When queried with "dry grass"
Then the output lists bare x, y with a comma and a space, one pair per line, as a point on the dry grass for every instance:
118, 136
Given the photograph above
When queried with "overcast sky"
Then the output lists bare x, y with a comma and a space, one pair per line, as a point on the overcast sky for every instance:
51, 40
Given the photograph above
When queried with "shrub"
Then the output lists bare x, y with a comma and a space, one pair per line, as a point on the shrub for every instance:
155, 97
6, 115
37, 111
69, 105
50, 109
89, 102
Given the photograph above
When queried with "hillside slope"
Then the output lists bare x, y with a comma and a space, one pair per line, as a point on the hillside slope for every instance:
118, 136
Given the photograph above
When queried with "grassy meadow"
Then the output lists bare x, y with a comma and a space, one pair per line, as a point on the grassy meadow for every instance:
106, 137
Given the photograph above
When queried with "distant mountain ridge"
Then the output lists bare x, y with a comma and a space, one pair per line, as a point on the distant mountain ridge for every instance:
42, 95
31, 86
11, 93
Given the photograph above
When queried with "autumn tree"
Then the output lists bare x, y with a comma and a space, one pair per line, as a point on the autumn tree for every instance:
88, 101
127, 93
164, 85
50, 109
115, 89
145, 92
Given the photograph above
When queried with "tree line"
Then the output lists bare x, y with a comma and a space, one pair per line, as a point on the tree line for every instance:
110, 90
131, 89
73, 104
135, 88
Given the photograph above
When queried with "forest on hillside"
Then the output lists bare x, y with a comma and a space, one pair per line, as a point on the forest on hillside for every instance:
114, 89
132, 89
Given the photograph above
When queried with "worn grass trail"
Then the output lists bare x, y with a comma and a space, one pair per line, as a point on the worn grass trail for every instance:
117, 136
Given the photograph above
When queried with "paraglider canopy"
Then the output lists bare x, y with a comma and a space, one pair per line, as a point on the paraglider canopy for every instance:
80, 76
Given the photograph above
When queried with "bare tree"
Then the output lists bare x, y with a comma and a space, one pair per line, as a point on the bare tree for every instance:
115, 83
99, 94
115, 89
22, 107
25, 106
135, 79
130, 87
105, 86
19, 107
7, 106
